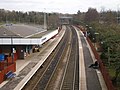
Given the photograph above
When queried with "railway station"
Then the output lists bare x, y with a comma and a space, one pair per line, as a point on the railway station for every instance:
25, 69
19, 41
59, 45
26, 50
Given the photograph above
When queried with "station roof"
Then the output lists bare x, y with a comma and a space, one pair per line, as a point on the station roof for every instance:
24, 35
19, 30
6, 33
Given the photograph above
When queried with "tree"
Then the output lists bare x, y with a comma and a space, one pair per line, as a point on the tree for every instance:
110, 17
91, 15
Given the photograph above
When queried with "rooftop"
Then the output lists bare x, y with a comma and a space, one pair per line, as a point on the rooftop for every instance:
19, 30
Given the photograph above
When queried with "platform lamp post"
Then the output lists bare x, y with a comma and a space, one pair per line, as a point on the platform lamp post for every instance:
96, 39
86, 32
94, 36
108, 52
12, 55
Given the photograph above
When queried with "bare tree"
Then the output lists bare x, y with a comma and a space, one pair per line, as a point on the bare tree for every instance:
91, 15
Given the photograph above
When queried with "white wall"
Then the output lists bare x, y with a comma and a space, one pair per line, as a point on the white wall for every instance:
27, 41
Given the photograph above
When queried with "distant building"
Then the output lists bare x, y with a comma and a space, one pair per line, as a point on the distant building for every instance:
65, 20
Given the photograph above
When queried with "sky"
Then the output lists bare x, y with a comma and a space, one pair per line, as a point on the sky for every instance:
61, 6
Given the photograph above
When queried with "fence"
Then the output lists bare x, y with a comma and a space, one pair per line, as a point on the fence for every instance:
11, 67
102, 67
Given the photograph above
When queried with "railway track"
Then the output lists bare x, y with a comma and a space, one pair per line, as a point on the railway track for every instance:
43, 74
68, 68
61, 70
71, 75
49, 71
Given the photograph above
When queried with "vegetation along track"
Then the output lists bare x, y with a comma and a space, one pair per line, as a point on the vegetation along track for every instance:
60, 71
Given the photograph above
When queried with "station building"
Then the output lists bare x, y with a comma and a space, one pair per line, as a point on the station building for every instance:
17, 41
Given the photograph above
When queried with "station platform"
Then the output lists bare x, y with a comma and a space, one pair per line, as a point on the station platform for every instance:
89, 78
27, 67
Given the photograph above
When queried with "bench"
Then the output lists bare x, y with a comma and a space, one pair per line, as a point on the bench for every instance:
10, 74
95, 65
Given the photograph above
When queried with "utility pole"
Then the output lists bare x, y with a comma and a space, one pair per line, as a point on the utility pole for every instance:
45, 22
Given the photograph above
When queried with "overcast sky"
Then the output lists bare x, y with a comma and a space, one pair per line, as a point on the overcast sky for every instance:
62, 6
